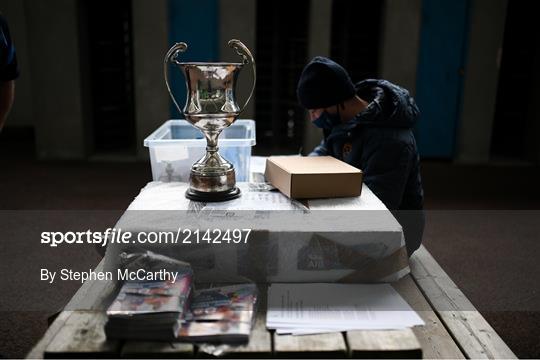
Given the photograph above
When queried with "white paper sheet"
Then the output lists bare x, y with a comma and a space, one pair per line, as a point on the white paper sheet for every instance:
318, 308
258, 200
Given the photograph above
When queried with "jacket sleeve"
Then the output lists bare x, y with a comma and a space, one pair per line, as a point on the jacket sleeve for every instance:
9, 69
320, 150
386, 172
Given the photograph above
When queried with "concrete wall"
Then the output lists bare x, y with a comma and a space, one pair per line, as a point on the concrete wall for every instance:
481, 79
51, 89
320, 35
238, 20
51, 92
150, 43
52, 29
400, 42
21, 113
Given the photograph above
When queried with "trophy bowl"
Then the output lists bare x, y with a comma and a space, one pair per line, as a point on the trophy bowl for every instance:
211, 107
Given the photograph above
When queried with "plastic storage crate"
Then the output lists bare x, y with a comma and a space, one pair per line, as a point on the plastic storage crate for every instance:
177, 144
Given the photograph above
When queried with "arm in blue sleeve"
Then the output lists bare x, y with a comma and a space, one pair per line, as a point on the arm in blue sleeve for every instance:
320, 150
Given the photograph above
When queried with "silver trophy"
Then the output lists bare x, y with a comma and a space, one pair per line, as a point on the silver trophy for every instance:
211, 107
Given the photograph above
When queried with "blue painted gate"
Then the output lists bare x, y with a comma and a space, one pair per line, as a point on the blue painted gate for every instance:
443, 42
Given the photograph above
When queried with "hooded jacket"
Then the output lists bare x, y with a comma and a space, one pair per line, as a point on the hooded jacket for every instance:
380, 142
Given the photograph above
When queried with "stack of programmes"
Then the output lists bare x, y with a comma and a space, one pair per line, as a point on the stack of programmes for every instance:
172, 310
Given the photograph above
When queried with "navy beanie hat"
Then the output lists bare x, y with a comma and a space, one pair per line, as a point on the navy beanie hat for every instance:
324, 83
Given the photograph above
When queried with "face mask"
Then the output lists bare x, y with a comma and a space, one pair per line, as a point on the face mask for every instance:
327, 121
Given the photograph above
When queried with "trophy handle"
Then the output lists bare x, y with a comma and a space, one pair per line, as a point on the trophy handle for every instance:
172, 56
244, 52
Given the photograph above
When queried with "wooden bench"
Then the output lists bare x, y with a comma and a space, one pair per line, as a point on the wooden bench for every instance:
453, 329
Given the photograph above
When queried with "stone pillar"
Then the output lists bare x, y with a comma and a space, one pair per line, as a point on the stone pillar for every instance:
238, 20
150, 43
320, 35
58, 110
481, 79
400, 42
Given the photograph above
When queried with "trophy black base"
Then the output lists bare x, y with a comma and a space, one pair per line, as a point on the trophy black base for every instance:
213, 196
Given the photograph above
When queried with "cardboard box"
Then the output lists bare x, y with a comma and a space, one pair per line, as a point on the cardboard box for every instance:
313, 177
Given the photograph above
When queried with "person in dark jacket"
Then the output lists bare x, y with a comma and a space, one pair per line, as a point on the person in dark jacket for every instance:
9, 71
369, 126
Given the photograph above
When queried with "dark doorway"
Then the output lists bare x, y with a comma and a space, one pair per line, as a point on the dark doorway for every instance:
356, 38
515, 109
282, 37
109, 50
